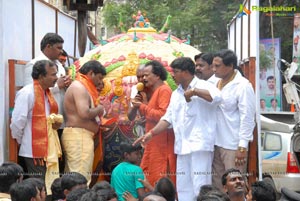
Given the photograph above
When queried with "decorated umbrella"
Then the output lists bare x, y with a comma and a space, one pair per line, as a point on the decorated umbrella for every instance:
121, 55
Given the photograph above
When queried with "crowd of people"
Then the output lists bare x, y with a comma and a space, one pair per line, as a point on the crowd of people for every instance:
194, 139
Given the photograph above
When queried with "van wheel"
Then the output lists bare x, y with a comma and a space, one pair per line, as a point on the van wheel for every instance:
270, 181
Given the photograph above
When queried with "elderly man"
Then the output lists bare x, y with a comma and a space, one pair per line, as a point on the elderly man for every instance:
159, 159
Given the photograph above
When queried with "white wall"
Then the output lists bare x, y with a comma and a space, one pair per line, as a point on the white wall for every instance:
16, 43
2, 105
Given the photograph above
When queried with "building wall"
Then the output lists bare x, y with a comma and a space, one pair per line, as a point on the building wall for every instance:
2, 93
16, 42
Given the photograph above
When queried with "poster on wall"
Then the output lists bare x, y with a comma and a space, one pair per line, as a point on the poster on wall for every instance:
296, 45
270, 79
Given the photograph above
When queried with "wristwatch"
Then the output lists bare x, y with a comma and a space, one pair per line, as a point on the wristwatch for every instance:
242, 149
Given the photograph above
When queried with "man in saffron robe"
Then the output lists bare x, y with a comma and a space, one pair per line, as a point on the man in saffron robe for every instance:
82, 124
159, 159
29, 124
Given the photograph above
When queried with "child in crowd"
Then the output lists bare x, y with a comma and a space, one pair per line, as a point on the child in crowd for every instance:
10, 173
71, 181
57, 191
27, 190
127, 176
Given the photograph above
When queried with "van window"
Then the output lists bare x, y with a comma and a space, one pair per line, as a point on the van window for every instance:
272, 142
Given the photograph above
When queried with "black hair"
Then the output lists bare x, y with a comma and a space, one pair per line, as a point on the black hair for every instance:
92, 196
228, 57
101, 185
127, 147
206, 188
274, 99
39, 183
227, 172
64, 53
51, 39
104, 190
76, 194
184, 64
24, 190
166, 188
72, 179
57, 191
214, 195
207, 57
39, 68
271, 77
157, 69
263, 191
9, 173
94, 66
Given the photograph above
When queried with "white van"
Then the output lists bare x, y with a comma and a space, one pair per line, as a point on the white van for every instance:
278, 161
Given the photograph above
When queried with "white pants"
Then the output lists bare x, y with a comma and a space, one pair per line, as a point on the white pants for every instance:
193, 171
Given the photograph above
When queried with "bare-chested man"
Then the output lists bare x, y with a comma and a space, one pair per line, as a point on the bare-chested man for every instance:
82, 112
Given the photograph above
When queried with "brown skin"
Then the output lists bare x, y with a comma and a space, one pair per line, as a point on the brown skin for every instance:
38, 196
141, 97
184, 78
53, 52
235, 186
77, 105
135, 158
152, 82
48, 81
203, 70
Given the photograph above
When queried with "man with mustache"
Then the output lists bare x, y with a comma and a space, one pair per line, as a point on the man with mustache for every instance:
83, 114
29, 124
204, 69
159, 159
234, 184
235, 116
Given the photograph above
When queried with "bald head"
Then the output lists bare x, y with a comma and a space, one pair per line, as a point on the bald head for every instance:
154, 198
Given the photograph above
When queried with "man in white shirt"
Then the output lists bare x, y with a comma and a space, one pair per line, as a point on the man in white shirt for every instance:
52, 47
235, 117
192, 114
33, 104
204, 68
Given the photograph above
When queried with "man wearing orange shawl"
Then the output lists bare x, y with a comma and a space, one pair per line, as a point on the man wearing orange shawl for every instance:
30, 125
159, 159
83, 114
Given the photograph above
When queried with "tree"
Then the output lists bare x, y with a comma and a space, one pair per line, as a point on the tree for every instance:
205, 20
282, 27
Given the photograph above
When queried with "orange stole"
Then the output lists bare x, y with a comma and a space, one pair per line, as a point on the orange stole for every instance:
89, 85
98, 174
39, 120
